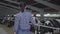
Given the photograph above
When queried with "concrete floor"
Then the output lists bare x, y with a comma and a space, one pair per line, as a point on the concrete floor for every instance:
5, 30
2, 31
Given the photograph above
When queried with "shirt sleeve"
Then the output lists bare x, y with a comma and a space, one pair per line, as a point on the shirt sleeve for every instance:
32, 20
16, 24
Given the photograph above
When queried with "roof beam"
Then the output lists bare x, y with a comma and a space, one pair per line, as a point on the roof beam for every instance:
29, 6
8, 12
13, 1
48, 4
9, 5
34, 8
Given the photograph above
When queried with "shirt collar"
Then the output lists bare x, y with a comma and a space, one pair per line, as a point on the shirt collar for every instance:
24, 10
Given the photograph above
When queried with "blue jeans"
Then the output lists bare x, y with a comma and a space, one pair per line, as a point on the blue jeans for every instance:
20, 31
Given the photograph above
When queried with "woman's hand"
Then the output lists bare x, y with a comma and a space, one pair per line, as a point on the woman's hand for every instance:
14, 32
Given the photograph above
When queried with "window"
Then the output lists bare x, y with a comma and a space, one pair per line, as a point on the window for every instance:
52, 15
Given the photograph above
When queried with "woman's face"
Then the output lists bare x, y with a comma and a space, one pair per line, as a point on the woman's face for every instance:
22, 8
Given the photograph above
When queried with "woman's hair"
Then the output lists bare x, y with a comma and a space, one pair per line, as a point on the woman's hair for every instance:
22, 4
34, 15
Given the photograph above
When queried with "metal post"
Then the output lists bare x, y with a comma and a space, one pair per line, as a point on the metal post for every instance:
42, 14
